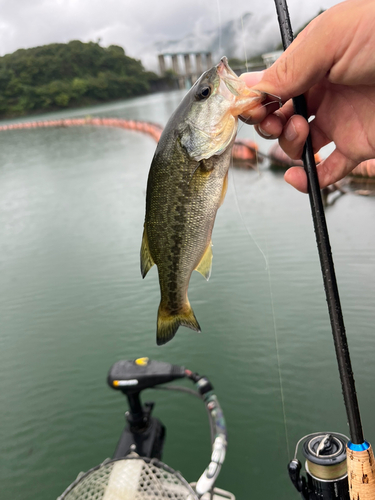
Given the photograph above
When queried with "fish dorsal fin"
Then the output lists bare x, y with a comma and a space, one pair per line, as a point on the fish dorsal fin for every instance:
205, 264
146, 260
224, 190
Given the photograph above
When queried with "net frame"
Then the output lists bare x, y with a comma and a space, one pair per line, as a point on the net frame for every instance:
170, 484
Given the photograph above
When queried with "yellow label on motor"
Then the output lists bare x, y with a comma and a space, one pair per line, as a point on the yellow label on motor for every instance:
115, 383
141, 361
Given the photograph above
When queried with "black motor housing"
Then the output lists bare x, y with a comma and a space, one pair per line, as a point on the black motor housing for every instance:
143, 433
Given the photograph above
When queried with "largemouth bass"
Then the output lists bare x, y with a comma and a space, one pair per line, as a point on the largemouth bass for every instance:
186, 185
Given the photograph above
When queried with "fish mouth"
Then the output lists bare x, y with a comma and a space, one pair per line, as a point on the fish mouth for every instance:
223, 68
229, 81
237, 88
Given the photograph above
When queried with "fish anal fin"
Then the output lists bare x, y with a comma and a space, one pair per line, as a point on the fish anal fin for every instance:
168, 324
146, 260
205, 265
224, 190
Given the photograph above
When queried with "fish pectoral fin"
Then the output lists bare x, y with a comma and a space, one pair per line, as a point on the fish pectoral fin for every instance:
202, 145
205, 265
207, 165
224, 190
168, 324
146, 260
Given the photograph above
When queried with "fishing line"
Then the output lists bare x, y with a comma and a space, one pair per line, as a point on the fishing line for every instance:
257, 163
275, 325
268, 269
219, 27
243, 122
278, 357
276, 334
265, 257
244, 45
243, 219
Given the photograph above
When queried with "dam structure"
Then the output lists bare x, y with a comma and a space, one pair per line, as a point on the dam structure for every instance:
186, 66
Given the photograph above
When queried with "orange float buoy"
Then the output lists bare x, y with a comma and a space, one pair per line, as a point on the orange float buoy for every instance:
245, 150
364, 169
280, 159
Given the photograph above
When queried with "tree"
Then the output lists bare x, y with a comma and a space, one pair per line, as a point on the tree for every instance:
71, 74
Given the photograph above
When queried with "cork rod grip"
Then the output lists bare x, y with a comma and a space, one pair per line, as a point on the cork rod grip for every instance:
361, 474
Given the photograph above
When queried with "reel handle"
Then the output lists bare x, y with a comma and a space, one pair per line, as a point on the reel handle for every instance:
294, 470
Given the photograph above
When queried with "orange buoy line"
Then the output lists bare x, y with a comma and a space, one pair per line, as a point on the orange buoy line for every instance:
364, 169
147, 127
243, 149
280, 159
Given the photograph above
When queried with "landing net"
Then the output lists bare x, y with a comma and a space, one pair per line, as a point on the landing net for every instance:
132, 478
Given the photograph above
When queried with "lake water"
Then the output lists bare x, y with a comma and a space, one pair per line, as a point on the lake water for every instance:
72, 302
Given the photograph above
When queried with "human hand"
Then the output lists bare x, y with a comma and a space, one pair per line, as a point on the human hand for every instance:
331, 62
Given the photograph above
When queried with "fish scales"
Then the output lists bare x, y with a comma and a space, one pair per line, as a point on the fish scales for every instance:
180, 219
186, 185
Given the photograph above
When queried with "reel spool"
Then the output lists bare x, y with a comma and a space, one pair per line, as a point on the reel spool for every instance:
326, 467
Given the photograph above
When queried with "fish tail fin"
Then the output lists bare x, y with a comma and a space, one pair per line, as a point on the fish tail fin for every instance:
168, 323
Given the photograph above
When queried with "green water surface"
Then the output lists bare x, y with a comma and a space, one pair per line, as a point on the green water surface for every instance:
72, 302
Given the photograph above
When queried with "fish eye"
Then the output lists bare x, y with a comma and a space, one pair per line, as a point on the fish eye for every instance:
203, 93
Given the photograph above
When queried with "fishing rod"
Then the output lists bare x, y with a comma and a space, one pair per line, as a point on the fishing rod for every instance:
359, 452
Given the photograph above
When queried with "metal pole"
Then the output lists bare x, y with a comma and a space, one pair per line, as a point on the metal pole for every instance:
326, 261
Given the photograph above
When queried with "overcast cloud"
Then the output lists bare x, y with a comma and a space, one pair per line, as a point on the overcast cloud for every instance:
133, 24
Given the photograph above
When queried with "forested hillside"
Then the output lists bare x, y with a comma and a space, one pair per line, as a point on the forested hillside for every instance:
72, 74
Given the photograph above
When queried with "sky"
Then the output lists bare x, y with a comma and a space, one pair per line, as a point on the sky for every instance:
135, 25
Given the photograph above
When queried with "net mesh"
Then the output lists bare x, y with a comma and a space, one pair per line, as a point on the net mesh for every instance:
129, 479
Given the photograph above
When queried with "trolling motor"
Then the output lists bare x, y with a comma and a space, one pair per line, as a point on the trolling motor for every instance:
143, 434
135, 470
326, 470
